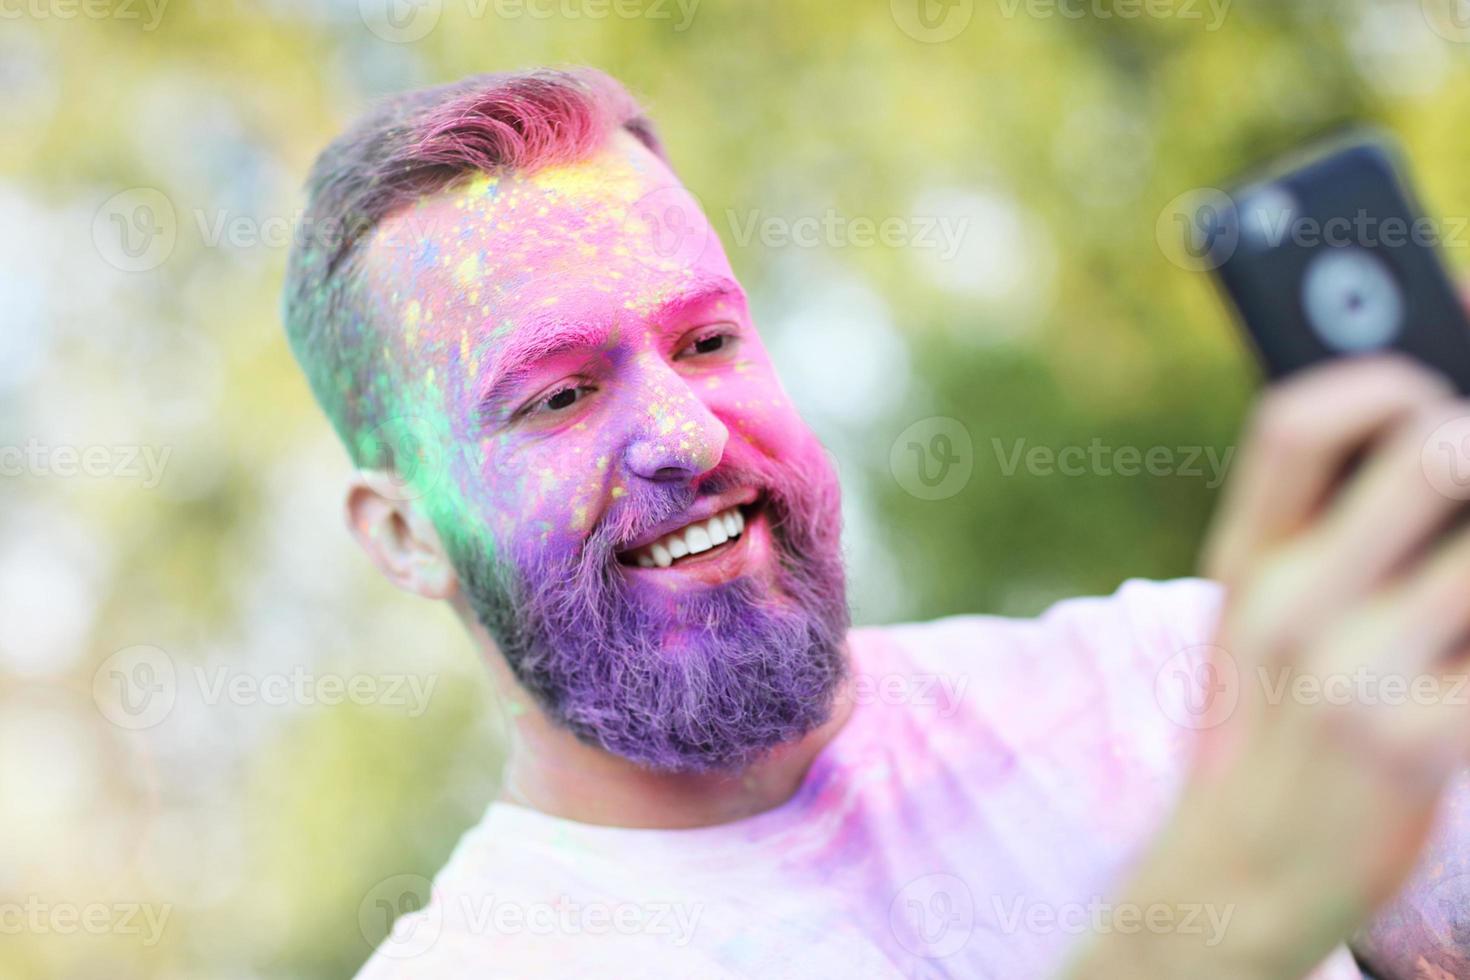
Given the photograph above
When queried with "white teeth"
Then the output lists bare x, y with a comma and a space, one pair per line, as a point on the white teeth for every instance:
692, 540
716, 528
698, 539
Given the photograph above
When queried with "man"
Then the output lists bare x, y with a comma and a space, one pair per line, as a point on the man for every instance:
564, 424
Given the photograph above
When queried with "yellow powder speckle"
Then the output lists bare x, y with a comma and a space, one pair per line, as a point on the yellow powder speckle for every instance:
468, 270
576, 178
618, 492
479, 186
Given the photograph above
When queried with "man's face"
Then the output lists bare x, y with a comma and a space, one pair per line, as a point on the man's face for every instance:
633, 506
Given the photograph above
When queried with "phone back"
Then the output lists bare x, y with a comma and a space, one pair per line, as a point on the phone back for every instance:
1333, 258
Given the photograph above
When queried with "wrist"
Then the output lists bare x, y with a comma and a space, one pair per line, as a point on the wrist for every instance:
1226, 912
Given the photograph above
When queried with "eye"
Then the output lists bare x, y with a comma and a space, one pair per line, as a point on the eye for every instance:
558, 401
562, 399
718, 340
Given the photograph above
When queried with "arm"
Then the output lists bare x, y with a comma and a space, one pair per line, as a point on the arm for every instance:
1303, 814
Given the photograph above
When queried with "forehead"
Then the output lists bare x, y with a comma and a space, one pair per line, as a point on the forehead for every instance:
574, 242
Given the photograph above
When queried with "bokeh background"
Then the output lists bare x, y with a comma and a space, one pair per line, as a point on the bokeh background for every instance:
953, 218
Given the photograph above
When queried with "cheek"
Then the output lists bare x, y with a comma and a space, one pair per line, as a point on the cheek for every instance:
551, 493
756, 407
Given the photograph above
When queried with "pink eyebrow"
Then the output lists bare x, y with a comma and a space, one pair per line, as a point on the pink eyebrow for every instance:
531, 344
541, 340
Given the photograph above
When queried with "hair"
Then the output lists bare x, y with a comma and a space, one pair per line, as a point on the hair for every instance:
406, 146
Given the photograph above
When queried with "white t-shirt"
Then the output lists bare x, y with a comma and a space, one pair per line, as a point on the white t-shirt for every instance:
974, 819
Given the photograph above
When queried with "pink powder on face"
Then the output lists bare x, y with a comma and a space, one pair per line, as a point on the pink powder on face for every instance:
579, 341
568, 276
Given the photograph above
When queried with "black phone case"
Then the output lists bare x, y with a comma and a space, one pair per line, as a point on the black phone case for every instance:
1271, 245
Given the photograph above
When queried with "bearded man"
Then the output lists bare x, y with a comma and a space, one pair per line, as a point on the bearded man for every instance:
564, 424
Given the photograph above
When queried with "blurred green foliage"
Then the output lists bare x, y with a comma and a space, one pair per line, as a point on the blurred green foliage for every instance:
1060, 321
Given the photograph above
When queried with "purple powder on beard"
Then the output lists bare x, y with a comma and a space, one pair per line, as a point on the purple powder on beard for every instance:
701, 681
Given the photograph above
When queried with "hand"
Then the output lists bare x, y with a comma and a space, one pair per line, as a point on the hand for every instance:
1305, 813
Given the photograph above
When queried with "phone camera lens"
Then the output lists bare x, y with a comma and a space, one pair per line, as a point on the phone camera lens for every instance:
1352, 301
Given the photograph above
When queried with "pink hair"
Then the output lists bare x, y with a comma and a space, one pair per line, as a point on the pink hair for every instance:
409, 145
528, 121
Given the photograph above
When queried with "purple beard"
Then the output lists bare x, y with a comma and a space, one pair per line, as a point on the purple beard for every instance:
703, 680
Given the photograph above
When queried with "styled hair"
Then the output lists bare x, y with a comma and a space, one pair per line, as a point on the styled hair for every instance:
406, 146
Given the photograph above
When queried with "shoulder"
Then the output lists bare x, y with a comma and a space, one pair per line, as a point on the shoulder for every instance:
1141, 621
564, 925
525, 895
1104, 677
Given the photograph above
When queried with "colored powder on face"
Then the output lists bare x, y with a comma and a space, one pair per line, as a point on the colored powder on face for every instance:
705, 680
702, 678
468, 270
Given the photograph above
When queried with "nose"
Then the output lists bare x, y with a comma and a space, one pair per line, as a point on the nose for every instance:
677, 436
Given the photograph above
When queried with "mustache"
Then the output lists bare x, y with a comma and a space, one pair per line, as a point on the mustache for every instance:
643, 508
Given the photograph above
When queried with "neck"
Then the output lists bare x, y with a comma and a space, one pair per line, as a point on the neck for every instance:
550, 770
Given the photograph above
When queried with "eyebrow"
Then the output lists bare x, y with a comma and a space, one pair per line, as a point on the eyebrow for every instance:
540, 338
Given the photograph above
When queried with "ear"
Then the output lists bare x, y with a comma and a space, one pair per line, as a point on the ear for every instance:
397, 536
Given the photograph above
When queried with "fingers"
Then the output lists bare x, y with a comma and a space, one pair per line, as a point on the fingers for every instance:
1433, 605
1385, 514
1303, 435
1400, 657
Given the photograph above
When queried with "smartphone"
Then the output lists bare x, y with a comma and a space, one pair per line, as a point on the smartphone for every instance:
1328, 255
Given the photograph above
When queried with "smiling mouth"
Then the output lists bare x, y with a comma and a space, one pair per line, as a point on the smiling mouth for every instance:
695, 541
